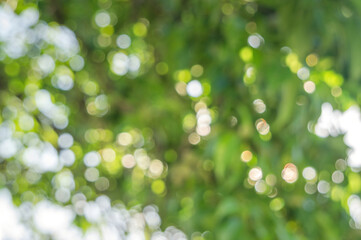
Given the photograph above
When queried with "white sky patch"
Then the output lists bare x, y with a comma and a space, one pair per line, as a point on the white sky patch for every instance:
51, 219
42, 158
334, 123
10, 226
58, 113
17, 31
30, 221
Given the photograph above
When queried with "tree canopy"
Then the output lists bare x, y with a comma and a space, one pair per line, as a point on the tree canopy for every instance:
180, 119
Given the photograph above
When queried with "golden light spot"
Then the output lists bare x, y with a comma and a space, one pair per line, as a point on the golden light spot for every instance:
156, 168
91, 108
309, 87
290, 173
336, 91
197, 70
128, 161
246, 156
194, 138
312, 60
108, 154
124, 139
262, 126
200, 105
251, 27
143, 161
181, 88
104, 41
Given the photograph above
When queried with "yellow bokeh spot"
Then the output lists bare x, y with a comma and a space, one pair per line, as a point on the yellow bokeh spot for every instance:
50, 136
112, 167
251, 27
162, 68
312, 60
184, 75
90, 88
206, 88
181, 88
246, 156
337, 193
336, 91
108, 154
354, 183
158, 186
246, 54
325, 64
104, 41
78, 151
16, 86
198, 238
197, 70
107, 31
291, 58
332, 79
139, 29
293, 62
189, 122
12, 69
292, 226
64, 70
277, 204
227, 9
266, 137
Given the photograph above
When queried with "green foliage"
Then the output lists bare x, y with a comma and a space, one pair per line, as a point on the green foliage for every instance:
223, 157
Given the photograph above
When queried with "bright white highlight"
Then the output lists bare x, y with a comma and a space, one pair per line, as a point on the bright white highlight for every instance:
194, 88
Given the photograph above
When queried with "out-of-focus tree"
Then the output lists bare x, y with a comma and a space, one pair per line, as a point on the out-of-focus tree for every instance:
219, 115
